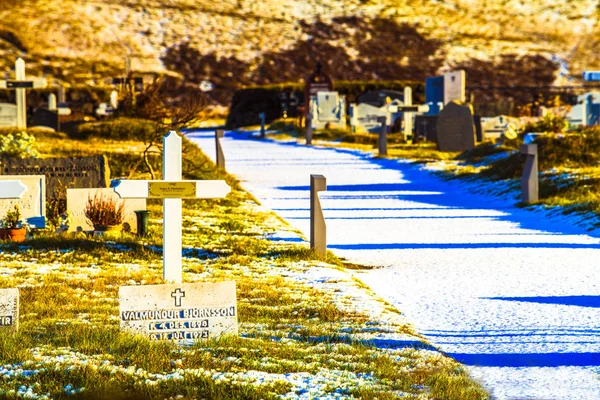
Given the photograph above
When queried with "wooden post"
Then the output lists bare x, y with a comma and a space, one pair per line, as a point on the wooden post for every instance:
529, 180
219, 133
318, 230
382, 140
406, 115
308, 133
262, 124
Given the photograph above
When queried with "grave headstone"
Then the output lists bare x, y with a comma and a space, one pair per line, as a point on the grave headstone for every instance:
19, 85
455, 128
8, 115
44, 117
454, 86
9, 309
317, 81
434, 93
73, 172
328, 109
77, 200
180, 312
114, 99
426, 128
32, 203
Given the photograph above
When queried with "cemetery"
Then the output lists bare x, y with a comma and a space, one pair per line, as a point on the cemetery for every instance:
352, 214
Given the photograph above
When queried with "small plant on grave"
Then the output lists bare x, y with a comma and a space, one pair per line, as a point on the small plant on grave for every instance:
104, 211
18, 145
12, 220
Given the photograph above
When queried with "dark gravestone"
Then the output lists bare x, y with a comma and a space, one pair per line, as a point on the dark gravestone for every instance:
44, 117
426, 128
62, 173
455, 128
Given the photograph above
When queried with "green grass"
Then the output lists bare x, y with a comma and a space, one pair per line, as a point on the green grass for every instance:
69, 333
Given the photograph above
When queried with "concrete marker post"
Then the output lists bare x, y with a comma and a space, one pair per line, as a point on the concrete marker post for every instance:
219, 133
529, 180
318, 230
382, 139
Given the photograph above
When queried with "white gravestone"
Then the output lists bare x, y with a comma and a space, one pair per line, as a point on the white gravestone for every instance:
9, 309
19, 85
8, 115
328, 109
365, 116
172, 189
77, 200
32, 203
454, 86
179, 312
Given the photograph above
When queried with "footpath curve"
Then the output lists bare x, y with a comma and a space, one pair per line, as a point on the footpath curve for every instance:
512, 295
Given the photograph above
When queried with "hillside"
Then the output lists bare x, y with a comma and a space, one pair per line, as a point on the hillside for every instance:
240, 42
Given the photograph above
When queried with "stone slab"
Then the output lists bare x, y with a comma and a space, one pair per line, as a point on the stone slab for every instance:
455, 127
62, 173
32, 203
47, 118
8, 115
77, 201
454, 86
179, 312
9, 309
426, 128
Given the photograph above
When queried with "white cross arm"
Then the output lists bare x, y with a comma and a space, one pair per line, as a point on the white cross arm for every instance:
36, 83
139, 189
12, 189
422, 108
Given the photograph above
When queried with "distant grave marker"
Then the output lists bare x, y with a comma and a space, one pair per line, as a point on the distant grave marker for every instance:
77, 200
32, 202
19, 85
9, 309
181, 311
455, 128
74, 172
8, 115
454, 86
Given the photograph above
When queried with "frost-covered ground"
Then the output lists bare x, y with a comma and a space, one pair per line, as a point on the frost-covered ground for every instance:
514, 294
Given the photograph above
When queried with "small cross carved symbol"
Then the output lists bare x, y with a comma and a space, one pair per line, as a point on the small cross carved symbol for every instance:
177, 295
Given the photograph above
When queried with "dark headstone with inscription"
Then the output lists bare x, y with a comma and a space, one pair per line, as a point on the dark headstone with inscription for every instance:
426, 128
455, 127
62, 173
44, 117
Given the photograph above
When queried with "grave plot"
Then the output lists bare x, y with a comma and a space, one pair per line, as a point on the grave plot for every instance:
70, 339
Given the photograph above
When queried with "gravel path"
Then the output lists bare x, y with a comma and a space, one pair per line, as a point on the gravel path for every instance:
511, 293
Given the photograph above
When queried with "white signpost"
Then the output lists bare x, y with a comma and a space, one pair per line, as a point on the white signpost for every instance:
172, 189
12, 189
20, 84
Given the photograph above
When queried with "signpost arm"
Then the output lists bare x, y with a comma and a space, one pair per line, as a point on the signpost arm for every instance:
172, 210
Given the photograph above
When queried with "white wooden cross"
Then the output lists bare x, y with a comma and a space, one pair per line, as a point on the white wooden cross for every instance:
12, 189
172, 189
408, 109
19, 85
